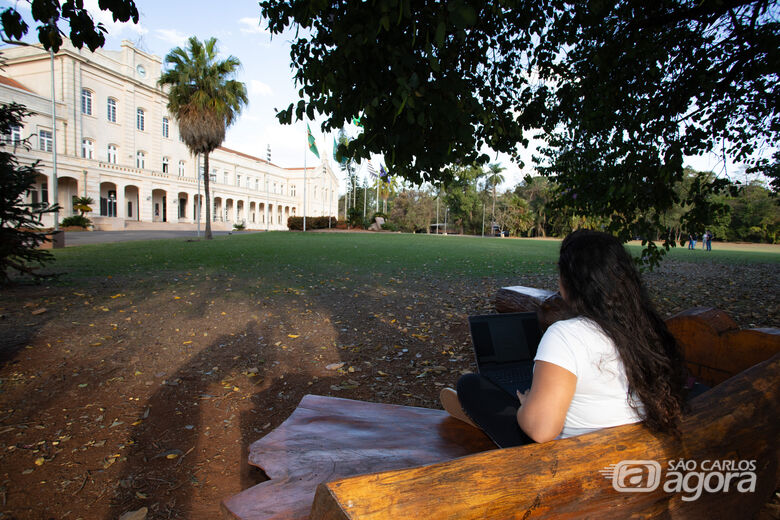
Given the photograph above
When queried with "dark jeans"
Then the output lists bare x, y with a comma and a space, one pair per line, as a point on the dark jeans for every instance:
492, 409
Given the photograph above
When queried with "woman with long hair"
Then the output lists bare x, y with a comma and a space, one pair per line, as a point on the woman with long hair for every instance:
614, 362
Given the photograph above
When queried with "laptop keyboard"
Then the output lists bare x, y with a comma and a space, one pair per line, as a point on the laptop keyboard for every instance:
513, 378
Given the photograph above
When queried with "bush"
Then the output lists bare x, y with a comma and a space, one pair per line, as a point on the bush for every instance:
239, 226
355, 217
389, 226
18, 238
296, 223
76, 221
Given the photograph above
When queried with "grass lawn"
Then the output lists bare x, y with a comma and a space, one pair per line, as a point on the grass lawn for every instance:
332, 254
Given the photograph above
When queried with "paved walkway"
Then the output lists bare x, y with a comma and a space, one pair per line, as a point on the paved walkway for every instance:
80, 238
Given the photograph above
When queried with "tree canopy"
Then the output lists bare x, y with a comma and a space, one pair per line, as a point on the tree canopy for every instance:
619, 91
83, 30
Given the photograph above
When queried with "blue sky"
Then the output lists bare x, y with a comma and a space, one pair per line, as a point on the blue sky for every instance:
165, 24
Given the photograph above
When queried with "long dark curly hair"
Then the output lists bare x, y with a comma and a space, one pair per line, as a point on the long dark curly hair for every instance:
601, 283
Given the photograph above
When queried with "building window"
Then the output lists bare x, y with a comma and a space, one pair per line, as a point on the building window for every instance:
274, 187
292, 190
257, 184
111, 110
165, 165
86, 102
87, 148
112, 153
165, 127
224, 177
14, 137
213, 177
139, 119
181, 168
238, 181
45, 140
139, 159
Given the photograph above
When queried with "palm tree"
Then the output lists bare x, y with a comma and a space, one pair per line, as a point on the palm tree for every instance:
204, 99
494, 179
387, 186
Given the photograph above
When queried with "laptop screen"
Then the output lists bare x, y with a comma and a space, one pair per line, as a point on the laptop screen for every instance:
505, 338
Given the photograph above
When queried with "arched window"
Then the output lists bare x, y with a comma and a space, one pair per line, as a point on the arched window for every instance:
87, 148
112, 153
165, 164
165, 126
140, 159
86, 102
111, 110
181, 168
139, 119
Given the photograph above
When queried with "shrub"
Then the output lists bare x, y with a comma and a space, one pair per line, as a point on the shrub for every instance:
355, 217
76, 221
389, 226
18, 240
296, 223
239, 226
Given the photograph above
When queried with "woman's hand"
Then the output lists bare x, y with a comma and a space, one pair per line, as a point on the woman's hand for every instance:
522, 396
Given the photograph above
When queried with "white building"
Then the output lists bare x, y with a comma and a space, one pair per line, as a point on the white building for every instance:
116, 143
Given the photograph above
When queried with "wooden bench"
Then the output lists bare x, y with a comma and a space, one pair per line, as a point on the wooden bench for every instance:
418, 462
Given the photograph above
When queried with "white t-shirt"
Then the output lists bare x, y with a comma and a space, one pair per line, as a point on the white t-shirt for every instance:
601, 395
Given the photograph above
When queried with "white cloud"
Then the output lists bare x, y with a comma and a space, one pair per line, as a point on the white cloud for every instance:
106, 18
251, 25
259, 88
172, 37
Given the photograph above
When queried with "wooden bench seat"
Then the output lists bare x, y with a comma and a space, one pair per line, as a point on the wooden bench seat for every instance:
369, 460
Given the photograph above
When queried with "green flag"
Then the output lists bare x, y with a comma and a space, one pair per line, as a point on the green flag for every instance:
312, 144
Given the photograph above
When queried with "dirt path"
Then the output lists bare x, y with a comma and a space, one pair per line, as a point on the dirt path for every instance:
124, 393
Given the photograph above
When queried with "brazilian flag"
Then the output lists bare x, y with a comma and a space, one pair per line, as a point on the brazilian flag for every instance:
312, 143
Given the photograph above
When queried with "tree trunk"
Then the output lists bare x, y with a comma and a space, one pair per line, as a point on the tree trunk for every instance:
493, 218
206, 180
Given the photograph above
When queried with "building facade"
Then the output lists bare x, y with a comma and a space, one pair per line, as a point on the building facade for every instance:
116, 143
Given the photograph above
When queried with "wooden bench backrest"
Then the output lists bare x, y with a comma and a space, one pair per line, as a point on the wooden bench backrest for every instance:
736, 421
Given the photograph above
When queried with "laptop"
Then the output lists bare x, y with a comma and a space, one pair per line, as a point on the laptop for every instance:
505, 345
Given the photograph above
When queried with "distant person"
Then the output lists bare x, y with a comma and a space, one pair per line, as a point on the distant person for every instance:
709, 241
614, 363
704, 238
691, 241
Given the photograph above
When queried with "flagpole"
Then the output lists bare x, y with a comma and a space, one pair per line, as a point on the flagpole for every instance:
305, 153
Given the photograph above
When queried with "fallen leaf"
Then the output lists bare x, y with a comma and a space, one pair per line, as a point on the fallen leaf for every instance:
334, 366
139, 514
293, 336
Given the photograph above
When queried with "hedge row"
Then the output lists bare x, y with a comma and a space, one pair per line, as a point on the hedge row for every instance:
296, 223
